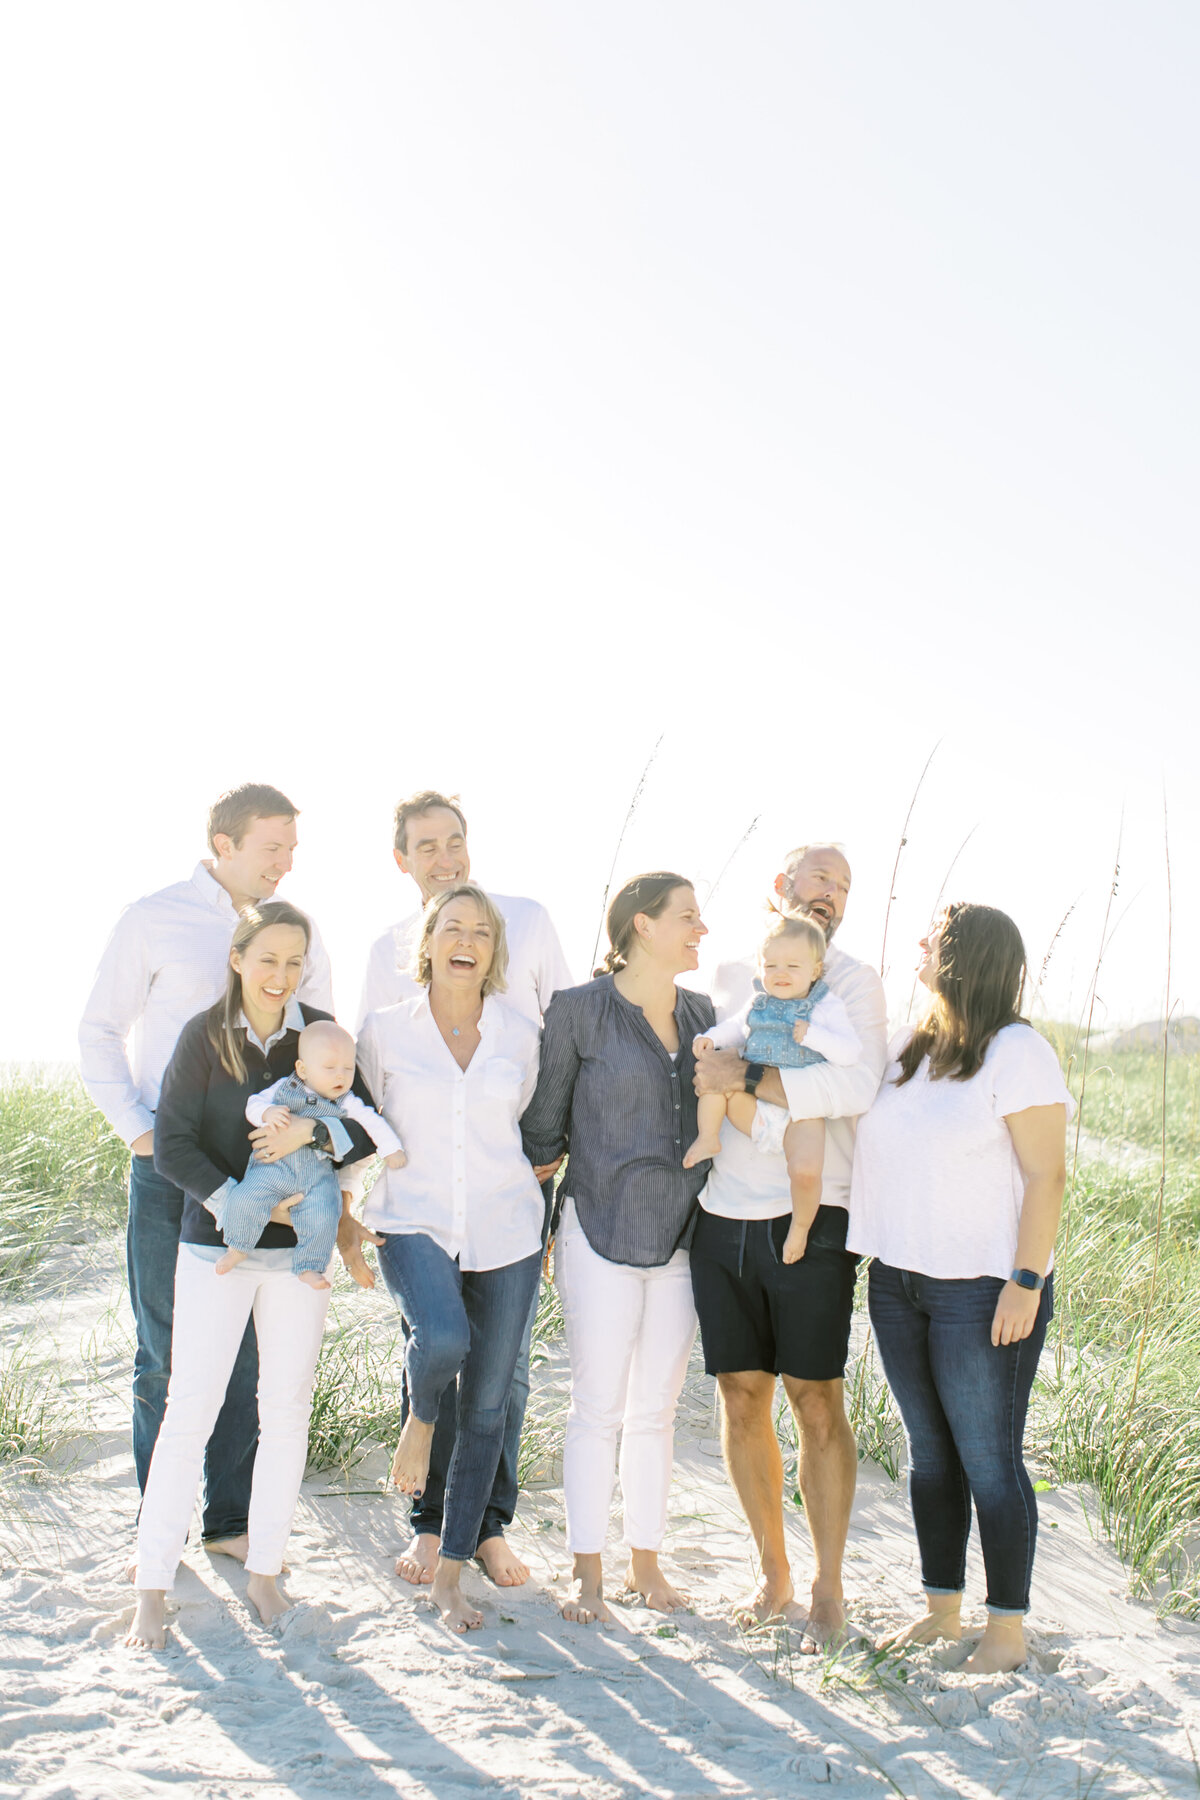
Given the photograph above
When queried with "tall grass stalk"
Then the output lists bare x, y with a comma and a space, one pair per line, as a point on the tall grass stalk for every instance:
899, 853
1162, 1172
751, 828
912, 992
633, 806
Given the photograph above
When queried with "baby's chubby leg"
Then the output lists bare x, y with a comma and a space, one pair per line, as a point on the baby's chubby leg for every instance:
804, 1148
710, 1114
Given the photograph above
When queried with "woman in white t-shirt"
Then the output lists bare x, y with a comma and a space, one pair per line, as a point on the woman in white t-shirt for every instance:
959, 1170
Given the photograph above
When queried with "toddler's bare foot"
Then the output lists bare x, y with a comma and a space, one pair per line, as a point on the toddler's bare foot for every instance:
417, 1563
795, 1243
940, 1621
410, 1465
703, 1148
264, 1595
149, 1628
451, 1602
230, 1260
586, 1606
501, 1563
311, 1279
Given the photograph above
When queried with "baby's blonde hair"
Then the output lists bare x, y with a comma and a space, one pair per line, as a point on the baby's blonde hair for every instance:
796, 925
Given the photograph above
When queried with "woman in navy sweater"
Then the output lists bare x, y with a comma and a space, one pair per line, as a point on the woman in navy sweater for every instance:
244, 1043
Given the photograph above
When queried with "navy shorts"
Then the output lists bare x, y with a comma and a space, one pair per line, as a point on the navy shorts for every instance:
758, 1312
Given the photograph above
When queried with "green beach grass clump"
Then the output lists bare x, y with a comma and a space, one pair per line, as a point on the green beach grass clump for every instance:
63, 1171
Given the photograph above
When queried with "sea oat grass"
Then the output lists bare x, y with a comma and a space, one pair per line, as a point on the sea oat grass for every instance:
63, 1171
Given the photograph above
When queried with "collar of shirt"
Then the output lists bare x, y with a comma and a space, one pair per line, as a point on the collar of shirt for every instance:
210, 889
293, 1020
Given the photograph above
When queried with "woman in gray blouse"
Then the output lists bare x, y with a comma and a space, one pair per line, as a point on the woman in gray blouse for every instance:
615, 1090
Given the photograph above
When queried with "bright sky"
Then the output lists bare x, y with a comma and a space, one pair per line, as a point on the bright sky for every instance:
471, 395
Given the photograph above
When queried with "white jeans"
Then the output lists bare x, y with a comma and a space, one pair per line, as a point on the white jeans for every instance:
211, 1311
629, 1335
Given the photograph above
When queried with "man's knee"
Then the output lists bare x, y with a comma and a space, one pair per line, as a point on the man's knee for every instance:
818, 1407
746, 1397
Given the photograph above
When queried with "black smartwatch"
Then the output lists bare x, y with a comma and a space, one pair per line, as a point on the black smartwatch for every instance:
754, 1074
1026, 1278
322, 1137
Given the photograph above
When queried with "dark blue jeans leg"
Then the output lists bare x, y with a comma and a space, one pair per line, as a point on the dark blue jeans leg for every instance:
498, 1513
938, 1491
427, 1284
497, 1303
151, 1252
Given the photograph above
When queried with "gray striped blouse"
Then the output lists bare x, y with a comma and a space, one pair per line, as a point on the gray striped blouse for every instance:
609, 1093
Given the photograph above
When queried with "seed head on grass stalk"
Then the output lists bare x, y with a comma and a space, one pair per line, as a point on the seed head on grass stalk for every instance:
751, 828
899, 852
633, 806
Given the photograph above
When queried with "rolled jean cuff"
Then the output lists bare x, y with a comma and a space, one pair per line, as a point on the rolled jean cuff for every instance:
1006, 1612
445, 1555
925, 1587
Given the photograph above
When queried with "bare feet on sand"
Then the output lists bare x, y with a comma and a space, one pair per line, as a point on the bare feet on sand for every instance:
1000, 1649
417, 1563
230, 1260
644, 1577
149, 1628
940, 1621
450, 1600
585, 1605
825, 1626
771, 1601
311, 1279
265, 1597
501, 1564
237, 1547
701, 1150
410, 1465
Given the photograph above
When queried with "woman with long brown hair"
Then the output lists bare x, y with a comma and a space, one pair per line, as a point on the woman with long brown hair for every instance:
616, 1090
959, 1169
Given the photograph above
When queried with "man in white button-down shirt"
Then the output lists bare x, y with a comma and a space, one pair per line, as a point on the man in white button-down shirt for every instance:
430, 845
167, 959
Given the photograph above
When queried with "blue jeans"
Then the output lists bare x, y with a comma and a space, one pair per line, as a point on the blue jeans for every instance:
467, 1324
963, 1401
427, 1508
151, 1252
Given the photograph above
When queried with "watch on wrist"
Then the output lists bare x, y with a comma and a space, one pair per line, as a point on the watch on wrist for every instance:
754, 1074
1027, 1278
322, 1138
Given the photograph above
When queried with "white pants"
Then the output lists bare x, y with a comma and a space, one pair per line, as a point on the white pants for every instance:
629, 1335
211, 1311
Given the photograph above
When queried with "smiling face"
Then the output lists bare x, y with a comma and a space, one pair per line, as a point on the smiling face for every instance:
818, 887
789, 965
461, 946
253, 869
673, 938
435, 851
270, 966
927, 968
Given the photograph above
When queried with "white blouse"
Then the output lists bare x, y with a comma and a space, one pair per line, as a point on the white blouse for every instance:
467, 1183
937, 1187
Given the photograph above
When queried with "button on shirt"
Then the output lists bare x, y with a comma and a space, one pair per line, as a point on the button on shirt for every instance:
167, 959
467, 1183
537, 967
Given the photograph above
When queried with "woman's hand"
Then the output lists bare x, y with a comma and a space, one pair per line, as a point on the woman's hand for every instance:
544, 1171
270, 1146
282, 1214
1016, 1310
350, 1240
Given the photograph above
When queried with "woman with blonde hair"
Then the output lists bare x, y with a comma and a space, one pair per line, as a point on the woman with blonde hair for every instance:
459, 1228
959, 1169
616, 1091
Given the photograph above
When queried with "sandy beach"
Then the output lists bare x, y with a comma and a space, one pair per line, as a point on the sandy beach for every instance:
363, 1692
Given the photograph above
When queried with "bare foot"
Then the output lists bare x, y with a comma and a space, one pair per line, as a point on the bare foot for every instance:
149, 1628
502, 1564
230, 1260
311, 1279
1000, 1649
131, 1568
770, 1600
585, 1605
410, 1465
655, 1590
266, 1598
452, 1603
937, 1623
237, 1547
795, 1243
701, 1150
417, 1563
824, 1628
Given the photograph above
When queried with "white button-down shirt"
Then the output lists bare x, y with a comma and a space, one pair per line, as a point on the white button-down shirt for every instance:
467, 1183
537, 967
166, 960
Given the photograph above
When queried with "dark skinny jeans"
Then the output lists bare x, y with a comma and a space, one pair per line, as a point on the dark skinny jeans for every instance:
963, 1401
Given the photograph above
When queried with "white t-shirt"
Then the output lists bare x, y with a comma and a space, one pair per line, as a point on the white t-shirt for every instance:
937, 1187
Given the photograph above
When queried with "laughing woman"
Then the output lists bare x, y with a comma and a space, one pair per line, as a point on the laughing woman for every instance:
959, 1169
616, 1091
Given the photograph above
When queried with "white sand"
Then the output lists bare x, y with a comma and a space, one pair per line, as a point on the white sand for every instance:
364, 1693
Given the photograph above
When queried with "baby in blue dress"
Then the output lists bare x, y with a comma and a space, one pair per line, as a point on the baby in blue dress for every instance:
793, 1019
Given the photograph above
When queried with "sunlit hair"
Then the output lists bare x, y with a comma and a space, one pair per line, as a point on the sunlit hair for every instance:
226, 1033
644, 894
797, 926
794, 858
232, 815
496, 979
978, 987
428, 800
